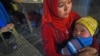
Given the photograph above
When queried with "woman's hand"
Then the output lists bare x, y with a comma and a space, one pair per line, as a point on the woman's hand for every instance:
88, 51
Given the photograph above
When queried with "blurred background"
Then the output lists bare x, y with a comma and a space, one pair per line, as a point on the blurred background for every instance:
26, 17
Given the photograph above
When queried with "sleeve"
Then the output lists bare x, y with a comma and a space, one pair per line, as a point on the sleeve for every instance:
48, 42
75, 44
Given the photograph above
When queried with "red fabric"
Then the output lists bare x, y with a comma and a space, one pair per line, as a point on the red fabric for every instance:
50, 38
95, 44
50, 15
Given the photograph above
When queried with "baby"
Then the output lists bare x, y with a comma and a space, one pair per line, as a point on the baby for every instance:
83, 33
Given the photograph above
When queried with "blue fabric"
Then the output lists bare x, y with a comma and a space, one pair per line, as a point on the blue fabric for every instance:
71, 47
4, 17
75, 44
86, 41
2, 23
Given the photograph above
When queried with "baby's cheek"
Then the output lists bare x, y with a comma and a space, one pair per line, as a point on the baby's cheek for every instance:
85, 34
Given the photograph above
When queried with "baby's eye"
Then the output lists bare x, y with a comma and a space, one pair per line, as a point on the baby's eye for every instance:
82, 31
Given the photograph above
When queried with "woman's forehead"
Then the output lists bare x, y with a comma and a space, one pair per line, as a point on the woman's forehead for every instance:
64, 0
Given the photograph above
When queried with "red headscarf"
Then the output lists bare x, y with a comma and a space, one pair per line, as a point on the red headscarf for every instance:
50, 12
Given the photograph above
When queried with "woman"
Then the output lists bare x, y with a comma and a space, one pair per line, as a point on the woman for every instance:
57, 24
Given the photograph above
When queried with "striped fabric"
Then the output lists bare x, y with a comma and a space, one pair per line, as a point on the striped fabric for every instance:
75, 44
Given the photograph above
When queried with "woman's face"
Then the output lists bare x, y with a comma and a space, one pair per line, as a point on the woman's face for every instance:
64, 8
81, 31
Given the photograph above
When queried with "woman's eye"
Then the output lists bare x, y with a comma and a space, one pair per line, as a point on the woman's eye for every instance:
61, 5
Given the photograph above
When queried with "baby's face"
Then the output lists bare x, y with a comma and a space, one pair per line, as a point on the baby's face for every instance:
81, 31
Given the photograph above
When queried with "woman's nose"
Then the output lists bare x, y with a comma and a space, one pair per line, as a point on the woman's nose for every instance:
65, 7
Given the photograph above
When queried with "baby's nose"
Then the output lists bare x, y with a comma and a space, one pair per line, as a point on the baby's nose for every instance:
78, 34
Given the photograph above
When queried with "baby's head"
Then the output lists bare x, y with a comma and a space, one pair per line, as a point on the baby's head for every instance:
85, 27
